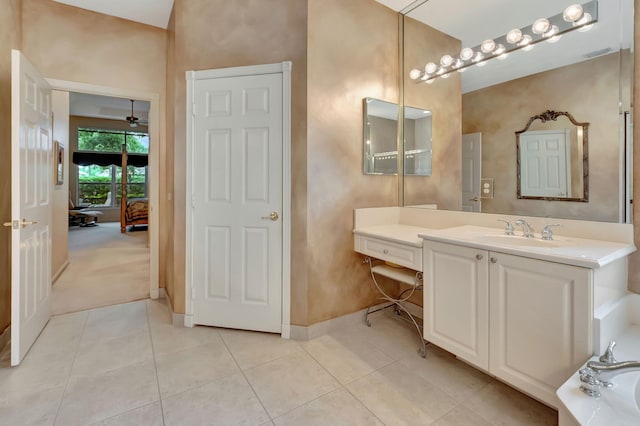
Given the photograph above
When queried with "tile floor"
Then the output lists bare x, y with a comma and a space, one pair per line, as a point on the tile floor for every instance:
127, 365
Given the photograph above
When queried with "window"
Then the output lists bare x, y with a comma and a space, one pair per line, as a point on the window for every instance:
98, 184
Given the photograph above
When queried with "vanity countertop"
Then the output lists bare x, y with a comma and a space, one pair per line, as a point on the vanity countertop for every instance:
568, 250
396, 233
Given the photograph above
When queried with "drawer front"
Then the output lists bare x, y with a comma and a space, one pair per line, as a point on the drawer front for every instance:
404, 255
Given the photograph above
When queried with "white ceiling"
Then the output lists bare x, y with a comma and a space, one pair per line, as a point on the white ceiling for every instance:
150, 12
86, 105
484, 19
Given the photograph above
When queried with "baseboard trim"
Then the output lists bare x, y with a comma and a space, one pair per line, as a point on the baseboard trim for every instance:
60, 271
313, 331
176, 319
5, 337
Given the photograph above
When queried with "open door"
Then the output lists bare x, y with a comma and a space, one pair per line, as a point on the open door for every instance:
31, 210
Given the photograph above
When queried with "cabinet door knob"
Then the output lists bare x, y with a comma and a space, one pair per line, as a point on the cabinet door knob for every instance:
479, 256
385, 251
494, 260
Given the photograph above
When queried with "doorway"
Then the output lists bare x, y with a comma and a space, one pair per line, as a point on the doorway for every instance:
146, 270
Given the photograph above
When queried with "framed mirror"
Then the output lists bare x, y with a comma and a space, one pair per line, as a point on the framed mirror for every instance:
588, 73
553, 158
380, 129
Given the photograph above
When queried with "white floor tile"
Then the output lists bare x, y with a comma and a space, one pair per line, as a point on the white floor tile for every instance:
34, 409
251, 348
166, 338
333, 409
149, 415
90, 399
228, 401
194, 367
289, 382
97, 357
398, 396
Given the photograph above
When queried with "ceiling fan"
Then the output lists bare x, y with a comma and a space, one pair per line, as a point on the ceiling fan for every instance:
132, 119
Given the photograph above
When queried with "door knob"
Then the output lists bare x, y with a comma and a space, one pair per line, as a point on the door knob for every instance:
478, 256
273, 216
494, 260
476, 199
26, 223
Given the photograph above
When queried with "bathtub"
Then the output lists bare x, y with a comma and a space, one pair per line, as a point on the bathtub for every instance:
619, 405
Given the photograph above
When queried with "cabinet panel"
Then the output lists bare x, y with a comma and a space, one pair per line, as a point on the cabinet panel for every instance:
540, 322
456, 300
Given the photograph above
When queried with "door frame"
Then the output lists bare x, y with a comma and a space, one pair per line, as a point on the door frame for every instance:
154, 161
283, 68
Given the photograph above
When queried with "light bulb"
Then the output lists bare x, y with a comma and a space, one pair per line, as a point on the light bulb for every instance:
414, 74
526, 39
441, 71
430, 68
466, 54
479, 56
499, 50
586, 18
540, 26
514, 36
572, 13
458, 63
487, 46
446, 60
552, 31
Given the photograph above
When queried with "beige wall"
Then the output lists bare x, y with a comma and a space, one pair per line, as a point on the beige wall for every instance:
167, 257
10, 33
353, 51
218, 34
443, 98
589, 92
60, 193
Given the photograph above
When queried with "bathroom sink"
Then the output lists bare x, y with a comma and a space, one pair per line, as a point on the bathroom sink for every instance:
518, 241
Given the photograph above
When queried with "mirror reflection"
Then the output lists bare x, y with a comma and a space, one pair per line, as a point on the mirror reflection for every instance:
586, 73
552, 158
380, 139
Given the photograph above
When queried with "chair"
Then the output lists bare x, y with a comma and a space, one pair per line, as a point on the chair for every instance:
79, 216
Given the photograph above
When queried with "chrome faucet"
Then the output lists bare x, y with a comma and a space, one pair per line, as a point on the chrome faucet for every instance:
547, 234
598, 374
527, 230
508, 227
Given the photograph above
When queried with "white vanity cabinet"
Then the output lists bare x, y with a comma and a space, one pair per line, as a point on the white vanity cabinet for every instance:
526, 321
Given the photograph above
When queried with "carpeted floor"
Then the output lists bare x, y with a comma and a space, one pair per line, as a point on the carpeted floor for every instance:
105, 268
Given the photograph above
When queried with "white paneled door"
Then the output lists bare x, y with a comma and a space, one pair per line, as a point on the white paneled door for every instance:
237, 202
31, 183
471, 172
545, 160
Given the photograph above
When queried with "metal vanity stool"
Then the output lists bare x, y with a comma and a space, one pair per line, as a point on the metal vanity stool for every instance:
405, 276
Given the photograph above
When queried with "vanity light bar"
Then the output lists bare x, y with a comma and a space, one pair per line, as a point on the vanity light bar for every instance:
574, 17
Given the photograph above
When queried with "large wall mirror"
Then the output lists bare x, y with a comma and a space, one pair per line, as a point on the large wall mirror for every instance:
484, 72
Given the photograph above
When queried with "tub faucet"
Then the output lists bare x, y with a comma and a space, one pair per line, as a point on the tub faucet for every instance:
527, 230
598, 374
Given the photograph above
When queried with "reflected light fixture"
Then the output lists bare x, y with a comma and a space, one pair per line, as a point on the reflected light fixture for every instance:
574, 17
132, 119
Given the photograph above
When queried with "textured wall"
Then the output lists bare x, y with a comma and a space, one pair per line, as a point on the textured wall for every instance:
423, 44
218, 34
353, 54
167, 261
589, 91
10, 32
